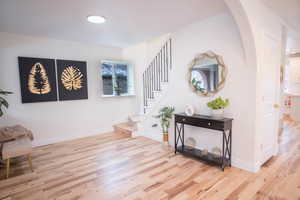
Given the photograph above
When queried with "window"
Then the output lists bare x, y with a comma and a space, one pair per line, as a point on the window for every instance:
117, 78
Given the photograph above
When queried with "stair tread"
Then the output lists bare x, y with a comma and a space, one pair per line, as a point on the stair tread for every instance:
126, 126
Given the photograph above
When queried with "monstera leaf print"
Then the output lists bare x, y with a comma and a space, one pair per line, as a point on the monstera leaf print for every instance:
72, 78
38, 82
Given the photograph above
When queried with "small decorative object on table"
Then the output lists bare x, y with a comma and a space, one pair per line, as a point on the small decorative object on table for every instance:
217, 105
204, 152
191, 143
165, 115
217, 152
189, 110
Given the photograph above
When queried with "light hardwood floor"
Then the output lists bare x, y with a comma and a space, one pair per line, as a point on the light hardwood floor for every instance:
113, 166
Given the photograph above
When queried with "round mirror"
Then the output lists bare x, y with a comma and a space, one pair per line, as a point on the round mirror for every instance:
207, 74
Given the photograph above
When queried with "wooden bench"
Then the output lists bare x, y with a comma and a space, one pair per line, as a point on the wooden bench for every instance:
19, 147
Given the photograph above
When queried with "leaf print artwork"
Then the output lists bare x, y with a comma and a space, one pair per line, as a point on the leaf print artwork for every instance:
38, 82
72, 78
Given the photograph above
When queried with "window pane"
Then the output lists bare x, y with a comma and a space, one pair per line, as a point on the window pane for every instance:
107, 78
121, 73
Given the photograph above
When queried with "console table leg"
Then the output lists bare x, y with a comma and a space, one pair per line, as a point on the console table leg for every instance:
223, 150
182, 128
175, 137
179, 135
230, 143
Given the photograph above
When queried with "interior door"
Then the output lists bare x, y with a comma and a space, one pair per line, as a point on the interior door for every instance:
270, 72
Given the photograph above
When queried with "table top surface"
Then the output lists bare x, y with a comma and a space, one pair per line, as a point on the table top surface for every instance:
206, 117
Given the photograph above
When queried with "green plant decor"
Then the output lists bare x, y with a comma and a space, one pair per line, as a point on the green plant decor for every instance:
117, 88
3, 102
197, 84
165, 116
218, 103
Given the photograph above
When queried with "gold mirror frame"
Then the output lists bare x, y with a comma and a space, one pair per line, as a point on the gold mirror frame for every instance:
220, 61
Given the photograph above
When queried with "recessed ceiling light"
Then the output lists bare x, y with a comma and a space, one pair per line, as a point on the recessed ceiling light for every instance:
96, 19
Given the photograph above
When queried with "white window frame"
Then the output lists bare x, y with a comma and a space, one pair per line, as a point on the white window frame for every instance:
131, 88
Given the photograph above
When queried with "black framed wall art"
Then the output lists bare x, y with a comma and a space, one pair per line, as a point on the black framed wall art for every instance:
37, 79
72, 80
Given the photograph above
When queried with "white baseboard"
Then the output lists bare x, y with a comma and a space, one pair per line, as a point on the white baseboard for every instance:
156, 137
64, 138
245, 165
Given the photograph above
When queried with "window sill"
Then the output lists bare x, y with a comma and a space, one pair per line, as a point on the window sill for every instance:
122, 95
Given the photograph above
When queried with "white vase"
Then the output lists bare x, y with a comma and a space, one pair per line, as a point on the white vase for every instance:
189, 110
218, 113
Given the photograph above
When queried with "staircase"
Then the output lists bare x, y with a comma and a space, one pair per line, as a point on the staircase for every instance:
156, 76
156, 79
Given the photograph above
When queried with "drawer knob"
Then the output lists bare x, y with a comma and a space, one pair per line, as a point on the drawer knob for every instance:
183, 120
209, 124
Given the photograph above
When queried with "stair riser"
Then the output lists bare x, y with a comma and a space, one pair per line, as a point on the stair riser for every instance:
122, 131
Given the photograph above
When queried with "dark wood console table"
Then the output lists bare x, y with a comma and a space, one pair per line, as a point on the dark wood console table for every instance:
224, 125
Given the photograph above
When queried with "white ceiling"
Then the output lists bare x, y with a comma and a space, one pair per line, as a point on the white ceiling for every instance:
128, 21
288, 10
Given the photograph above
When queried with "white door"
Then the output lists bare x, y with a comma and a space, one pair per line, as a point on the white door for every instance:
270, 72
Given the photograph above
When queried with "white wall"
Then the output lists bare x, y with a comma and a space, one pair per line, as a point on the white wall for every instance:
219, 34
292, 79
294, 111
58, 121
293, 42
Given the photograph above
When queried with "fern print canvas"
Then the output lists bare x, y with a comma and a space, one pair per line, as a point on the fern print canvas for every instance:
38, 82
37, 79
72, 80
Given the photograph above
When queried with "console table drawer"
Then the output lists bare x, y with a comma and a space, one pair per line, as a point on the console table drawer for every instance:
200, 122
214, 125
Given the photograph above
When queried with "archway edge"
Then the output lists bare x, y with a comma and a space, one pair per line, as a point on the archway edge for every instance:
246, 32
